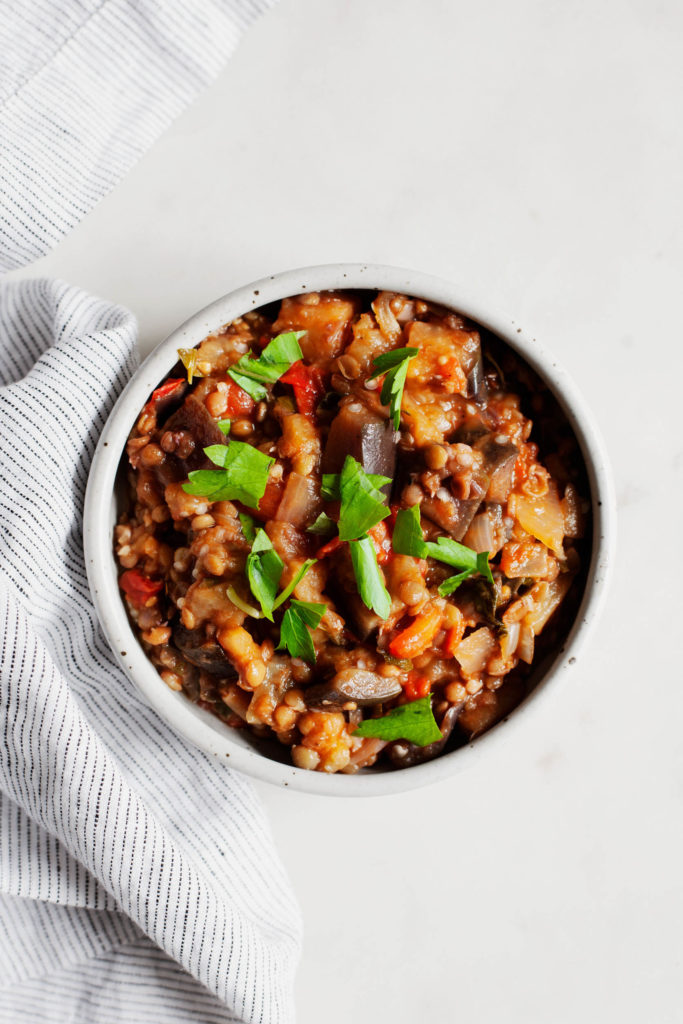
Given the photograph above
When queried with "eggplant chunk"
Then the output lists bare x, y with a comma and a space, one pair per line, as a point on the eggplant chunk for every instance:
352, 684
369, 439
404, 754
205, 654
499, 464
476, 382
194, 417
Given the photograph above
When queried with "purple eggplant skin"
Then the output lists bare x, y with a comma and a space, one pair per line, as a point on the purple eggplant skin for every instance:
476, 382
355, 685
493, 481
370, 439
205, 654
193, 417
404, 754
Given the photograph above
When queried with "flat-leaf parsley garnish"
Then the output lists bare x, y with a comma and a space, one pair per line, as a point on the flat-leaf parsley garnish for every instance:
242, 477
413, 722
373, 593
251, 374
362, 504
394, 365
323, 525
298, 620
408, 540
264, 568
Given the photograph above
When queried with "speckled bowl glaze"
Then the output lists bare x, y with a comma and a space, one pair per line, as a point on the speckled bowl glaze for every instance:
234, 747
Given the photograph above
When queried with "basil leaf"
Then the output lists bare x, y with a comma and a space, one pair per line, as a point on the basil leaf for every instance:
289, 589
294, 632
407, 538
373, 593
224, 426
323, 525
264, 568
395, 367
243, 478
413, 722
248, 528
362, 504
274, 361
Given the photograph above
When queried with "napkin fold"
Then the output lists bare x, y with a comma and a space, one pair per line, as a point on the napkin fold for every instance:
147, 872
138, 878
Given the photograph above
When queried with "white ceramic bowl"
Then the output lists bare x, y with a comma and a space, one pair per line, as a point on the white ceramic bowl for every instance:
233, 747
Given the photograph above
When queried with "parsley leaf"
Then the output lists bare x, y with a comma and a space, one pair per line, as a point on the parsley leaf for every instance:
460, 557
243, 476
264, 568
248, 528
274, 361
413, 722
294, 632
289, 589
362, 504
323, 525
330, 487
450, 585
408, 540
373, 593
395, 367
224, 426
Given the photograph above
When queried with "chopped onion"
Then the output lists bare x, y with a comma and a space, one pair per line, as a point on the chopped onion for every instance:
479, 536
546, 598
475, 650
525, 647
300, 503
509, 640
542, 517
388, 324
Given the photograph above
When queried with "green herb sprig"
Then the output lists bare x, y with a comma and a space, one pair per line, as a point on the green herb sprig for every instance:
408, 540
394, 365
243, 475
413, 722
251, 374
300, 618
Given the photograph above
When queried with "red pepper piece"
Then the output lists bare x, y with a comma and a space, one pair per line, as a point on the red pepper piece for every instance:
328, 548
308, 385
138, 587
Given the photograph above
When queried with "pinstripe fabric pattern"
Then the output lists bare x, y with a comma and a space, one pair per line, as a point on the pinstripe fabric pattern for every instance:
155, 888
95, 82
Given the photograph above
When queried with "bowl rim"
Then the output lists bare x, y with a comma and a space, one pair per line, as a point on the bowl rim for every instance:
200, 727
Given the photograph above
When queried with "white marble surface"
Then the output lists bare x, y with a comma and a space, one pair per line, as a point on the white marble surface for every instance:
533, 150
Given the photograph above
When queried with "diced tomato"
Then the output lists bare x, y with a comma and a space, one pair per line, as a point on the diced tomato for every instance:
527, 456
138, 587
382, 541
417, 686
416, 638
308, 385
267, 506
329, 548
239, 403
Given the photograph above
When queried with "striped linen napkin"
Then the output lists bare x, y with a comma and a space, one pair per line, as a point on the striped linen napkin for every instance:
138, 879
